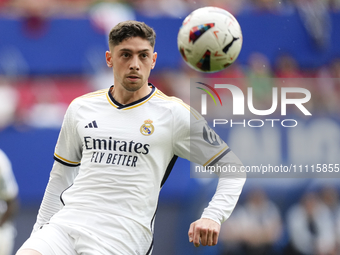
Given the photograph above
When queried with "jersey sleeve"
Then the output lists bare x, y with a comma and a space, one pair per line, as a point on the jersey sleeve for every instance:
69, 148
61, 177
196, 141
8, 185
65, 168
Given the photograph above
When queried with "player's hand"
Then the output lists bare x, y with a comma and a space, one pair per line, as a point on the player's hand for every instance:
204, 230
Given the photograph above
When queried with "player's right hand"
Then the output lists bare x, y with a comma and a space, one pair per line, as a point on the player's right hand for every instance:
205, 231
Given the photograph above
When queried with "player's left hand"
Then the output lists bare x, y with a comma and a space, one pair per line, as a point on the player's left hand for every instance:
204, 230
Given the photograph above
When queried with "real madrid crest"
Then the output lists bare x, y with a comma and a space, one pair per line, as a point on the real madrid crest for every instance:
147, 128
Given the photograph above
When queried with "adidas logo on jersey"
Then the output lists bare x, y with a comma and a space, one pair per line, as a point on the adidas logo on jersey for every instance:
92, 124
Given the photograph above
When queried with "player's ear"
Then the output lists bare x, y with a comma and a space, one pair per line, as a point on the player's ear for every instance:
108, 58
154, 57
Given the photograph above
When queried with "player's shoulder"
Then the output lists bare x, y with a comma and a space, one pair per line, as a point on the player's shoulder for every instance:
92, 96
174, 104
169, 101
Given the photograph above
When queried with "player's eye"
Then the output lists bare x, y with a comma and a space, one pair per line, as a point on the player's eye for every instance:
144, 55
125, 55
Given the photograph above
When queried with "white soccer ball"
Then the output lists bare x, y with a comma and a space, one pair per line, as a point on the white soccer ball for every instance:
210, 39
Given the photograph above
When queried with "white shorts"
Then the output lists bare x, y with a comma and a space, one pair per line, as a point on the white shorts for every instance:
53, 239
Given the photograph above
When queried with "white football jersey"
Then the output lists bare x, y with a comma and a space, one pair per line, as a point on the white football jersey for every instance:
8, 191
8, 184
125, 153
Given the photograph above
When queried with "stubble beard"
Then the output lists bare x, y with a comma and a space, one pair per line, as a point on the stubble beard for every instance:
133, 86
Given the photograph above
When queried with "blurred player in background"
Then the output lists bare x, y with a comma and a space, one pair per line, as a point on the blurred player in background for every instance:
8, 205
310, 227
115, 150
254, 227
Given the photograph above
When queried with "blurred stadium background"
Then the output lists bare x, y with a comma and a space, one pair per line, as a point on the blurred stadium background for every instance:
52, 51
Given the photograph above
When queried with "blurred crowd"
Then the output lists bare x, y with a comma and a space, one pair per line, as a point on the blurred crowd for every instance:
154, 8
28, 101
260, 226
262, 75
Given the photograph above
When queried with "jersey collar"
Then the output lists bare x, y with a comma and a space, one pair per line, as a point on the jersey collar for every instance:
134, 104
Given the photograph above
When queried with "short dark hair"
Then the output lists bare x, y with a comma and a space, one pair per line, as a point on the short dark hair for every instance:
127, 29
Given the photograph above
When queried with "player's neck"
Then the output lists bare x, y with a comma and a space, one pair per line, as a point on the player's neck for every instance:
123, 96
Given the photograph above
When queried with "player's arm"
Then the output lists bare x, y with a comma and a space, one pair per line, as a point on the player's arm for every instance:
195, 141
61, 177
65, 168
206, 230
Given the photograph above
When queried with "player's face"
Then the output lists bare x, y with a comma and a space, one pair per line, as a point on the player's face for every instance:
132, 61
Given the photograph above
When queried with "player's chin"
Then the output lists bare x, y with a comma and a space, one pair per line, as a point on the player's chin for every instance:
133, 86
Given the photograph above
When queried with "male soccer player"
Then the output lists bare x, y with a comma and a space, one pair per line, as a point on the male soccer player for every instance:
8, 205
115, 150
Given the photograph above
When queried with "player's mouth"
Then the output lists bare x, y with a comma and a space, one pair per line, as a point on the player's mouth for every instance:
133, 77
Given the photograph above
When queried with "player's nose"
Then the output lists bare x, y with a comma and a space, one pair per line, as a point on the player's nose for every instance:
134, 64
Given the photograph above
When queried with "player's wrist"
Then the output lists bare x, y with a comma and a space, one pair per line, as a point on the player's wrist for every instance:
211, 218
